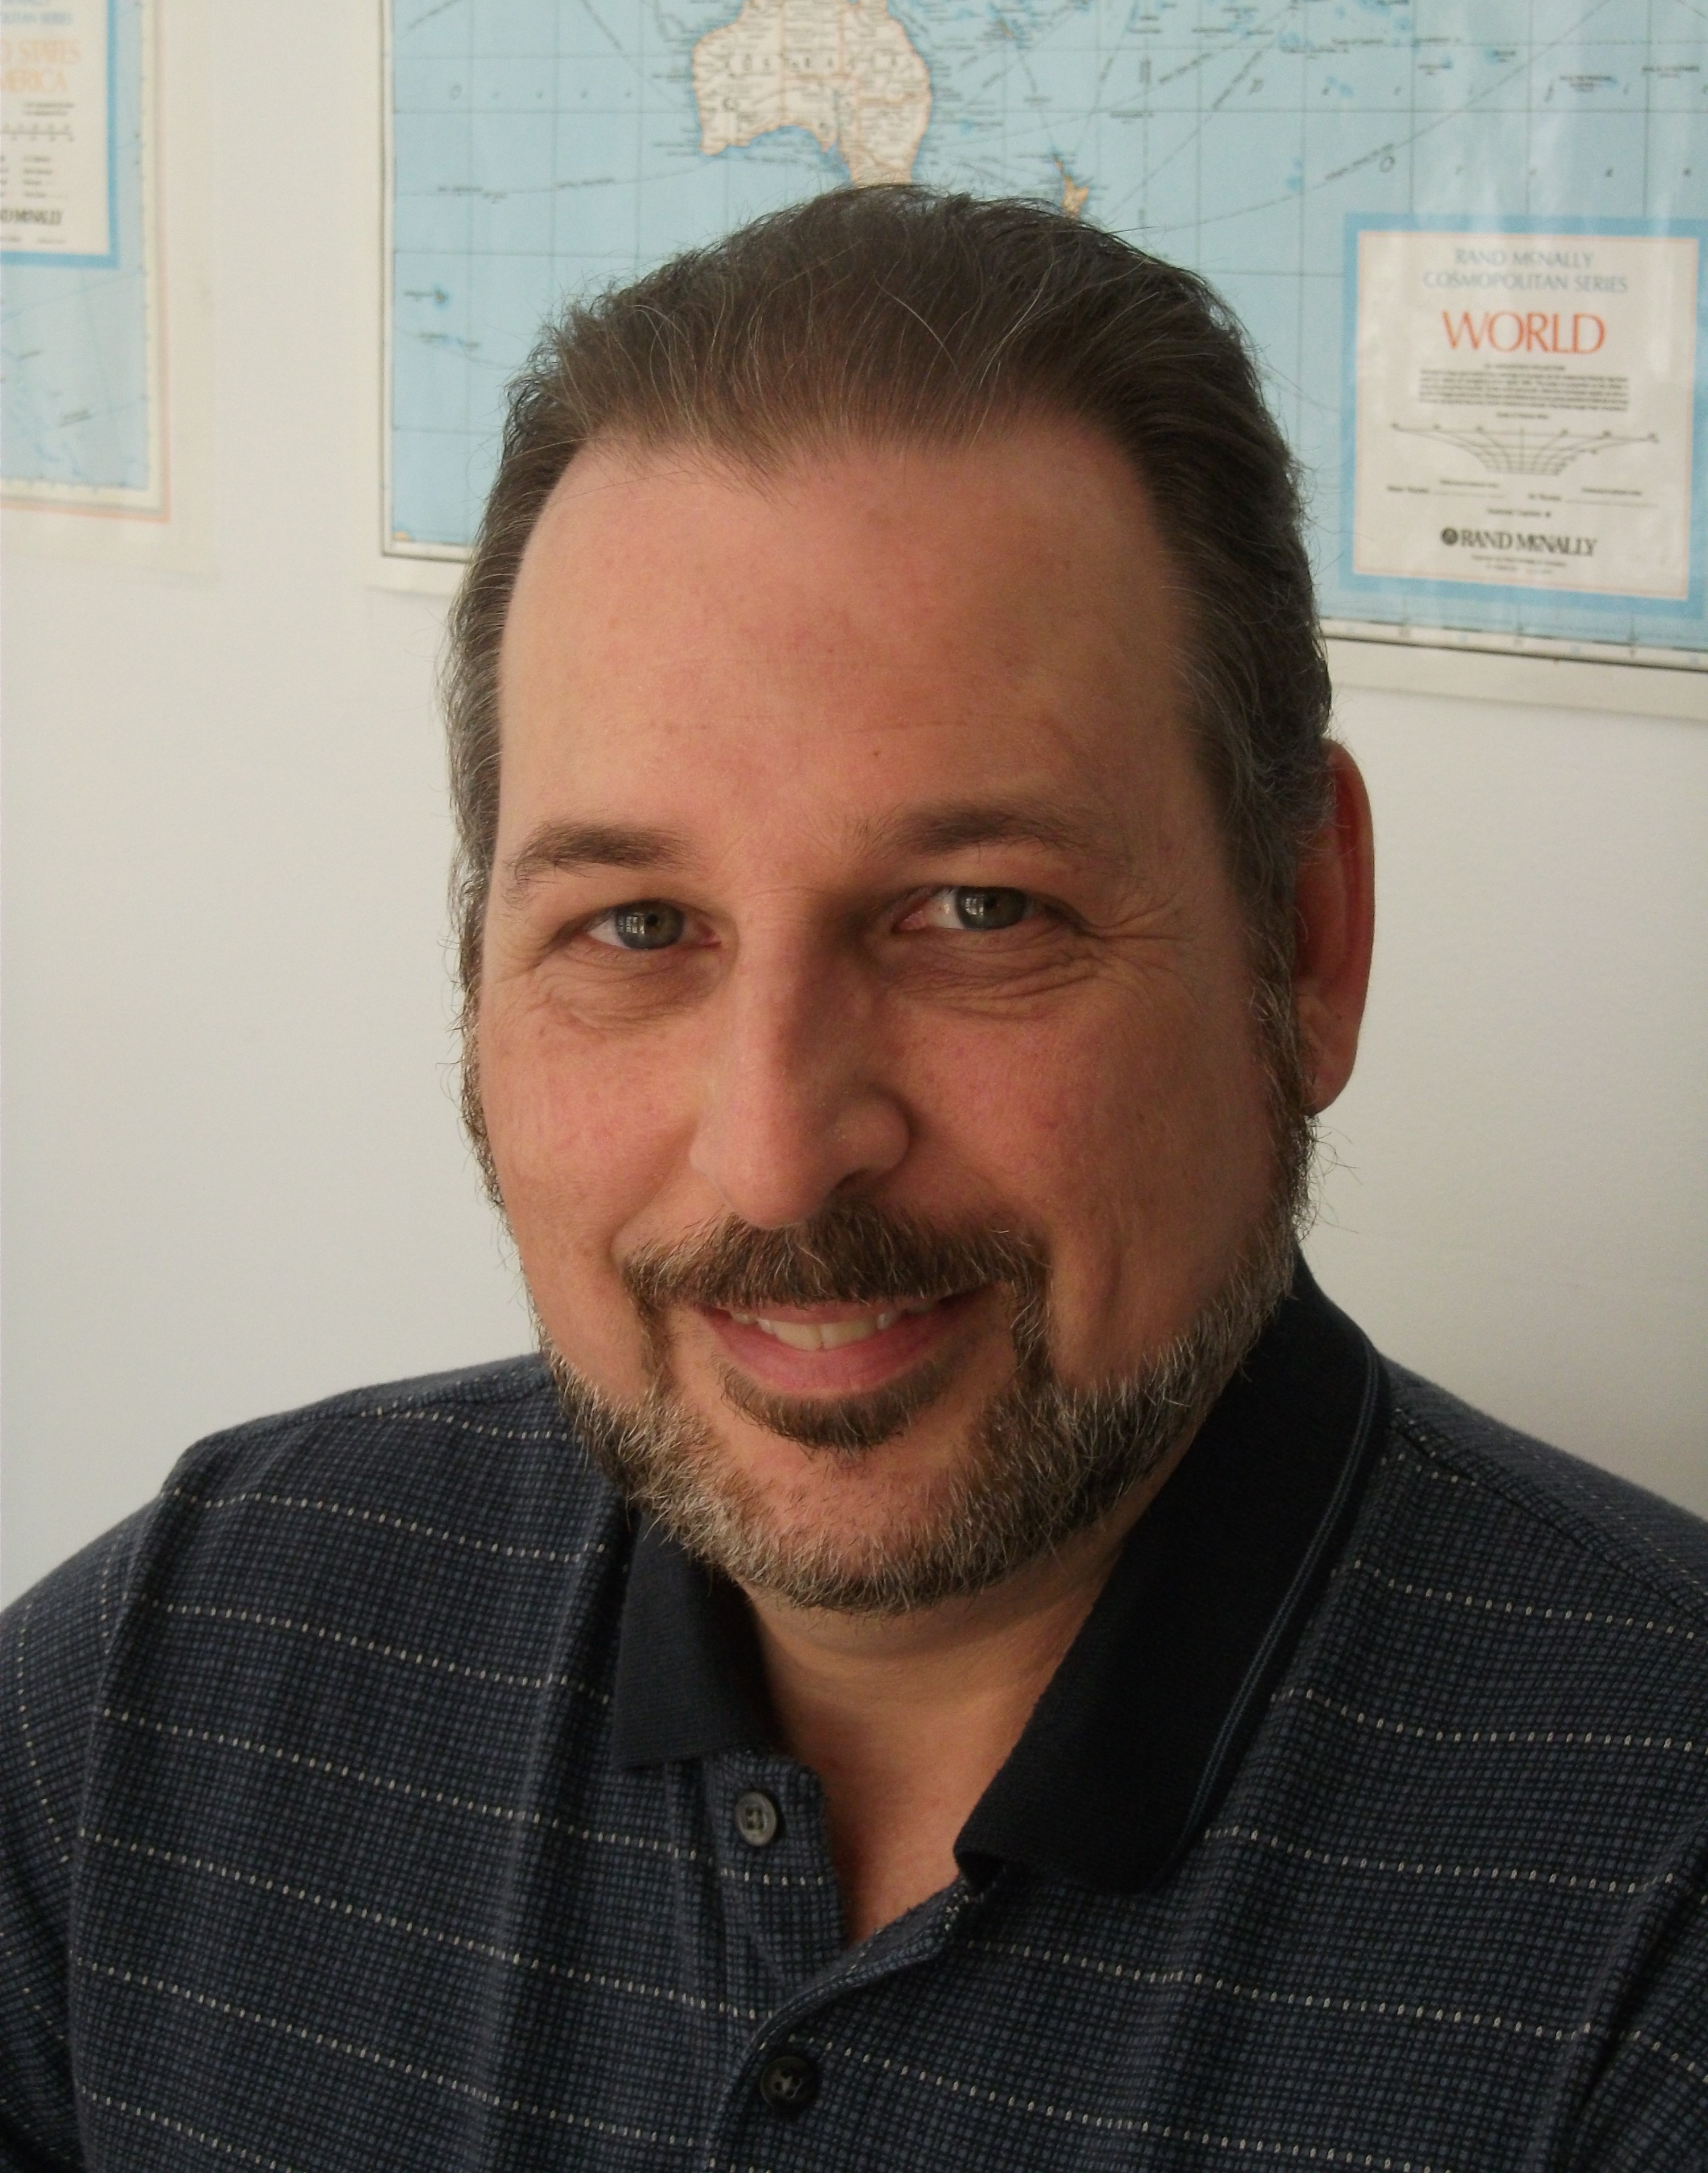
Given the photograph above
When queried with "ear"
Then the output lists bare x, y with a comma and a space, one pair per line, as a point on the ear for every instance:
1335, 922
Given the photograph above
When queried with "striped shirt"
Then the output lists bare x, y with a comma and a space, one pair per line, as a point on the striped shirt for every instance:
380, 1798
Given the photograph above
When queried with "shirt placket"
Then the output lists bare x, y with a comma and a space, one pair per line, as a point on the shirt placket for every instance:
782, 1906
776, 1883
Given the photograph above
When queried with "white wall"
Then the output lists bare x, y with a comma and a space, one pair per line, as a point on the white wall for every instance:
233, 1178
1522, 1209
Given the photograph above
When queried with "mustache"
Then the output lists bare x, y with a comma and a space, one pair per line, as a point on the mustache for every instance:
850, 1253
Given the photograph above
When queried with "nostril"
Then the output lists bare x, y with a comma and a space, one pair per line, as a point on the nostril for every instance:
777, 1153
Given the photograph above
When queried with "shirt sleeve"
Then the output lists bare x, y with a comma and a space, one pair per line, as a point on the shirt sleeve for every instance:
1647, 2112
53, 1649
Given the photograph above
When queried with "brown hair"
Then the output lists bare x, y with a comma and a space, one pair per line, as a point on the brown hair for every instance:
890, 314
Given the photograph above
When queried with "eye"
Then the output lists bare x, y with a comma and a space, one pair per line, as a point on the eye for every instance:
647, 924
972, 907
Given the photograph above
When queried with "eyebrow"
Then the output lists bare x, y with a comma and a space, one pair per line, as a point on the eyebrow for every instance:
962, 825
557, 849
566, 848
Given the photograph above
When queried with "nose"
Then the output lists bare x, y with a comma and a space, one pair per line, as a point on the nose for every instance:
795, 1104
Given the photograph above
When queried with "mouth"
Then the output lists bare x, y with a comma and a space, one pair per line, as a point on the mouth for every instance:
836, 1350
822, 1331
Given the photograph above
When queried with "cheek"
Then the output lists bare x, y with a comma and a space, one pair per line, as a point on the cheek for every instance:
584, 1134
1135, 1140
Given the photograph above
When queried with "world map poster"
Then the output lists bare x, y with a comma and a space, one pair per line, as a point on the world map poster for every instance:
1467, 241
81, 348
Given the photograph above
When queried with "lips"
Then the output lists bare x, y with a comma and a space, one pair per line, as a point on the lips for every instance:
808, 1335
838, 1350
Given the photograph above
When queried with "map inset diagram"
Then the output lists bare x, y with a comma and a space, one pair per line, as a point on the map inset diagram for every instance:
545, 149
551, 148
1525, 451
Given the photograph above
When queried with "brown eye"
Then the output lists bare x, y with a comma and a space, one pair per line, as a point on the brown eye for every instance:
988, 909
647, 924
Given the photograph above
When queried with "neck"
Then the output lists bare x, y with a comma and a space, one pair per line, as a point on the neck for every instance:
906, 1720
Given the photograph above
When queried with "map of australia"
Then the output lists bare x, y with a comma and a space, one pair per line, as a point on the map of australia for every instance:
542, 149
845, 70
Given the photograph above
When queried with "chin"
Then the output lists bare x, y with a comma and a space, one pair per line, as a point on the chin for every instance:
934, 1482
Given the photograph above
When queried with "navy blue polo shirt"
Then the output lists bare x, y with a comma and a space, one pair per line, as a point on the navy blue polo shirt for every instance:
379, 1797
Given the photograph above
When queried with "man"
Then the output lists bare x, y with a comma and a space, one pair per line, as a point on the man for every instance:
960, 1656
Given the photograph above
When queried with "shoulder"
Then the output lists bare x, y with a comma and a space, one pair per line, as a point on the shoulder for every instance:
429, 1492
1510, 1635
1527, 1506
379, 1556
457, 1497
490, 1439
513, 1397
1526, 1620
1512, 1685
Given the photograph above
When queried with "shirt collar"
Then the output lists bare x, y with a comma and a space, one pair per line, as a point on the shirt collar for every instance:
1136, 1740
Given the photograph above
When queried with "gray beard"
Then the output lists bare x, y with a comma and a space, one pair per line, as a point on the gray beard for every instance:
1043, 1461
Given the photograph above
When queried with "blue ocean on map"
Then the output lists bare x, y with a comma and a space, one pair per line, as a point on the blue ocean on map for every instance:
542, 148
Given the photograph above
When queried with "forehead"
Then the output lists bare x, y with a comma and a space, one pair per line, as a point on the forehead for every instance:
876, 617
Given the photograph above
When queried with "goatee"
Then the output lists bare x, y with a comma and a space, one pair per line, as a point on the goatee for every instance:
1043, 1462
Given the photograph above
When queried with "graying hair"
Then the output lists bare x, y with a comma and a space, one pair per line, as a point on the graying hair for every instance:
884, 315
1046, 1461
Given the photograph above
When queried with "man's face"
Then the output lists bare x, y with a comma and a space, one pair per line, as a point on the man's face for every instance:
852, 865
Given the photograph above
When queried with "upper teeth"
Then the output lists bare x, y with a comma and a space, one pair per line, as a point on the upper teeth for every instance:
829, 1334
